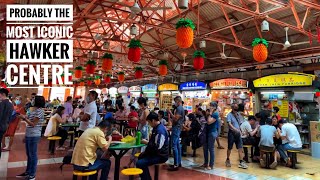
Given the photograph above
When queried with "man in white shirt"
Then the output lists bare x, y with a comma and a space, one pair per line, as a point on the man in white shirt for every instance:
89, 115
290, 139
247, 134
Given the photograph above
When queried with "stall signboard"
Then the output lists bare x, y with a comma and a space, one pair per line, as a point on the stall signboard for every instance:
123, 90
283, 80
283, 106
193, 85
135, 89
230, 83
104, 91
113, 90
149, 88
168, 87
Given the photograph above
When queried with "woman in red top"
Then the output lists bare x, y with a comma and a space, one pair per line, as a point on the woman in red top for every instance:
133, 118
276, 112
13, 125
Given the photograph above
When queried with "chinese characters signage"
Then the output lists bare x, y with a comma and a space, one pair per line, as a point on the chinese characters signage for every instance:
281, 80
149, 88
168, 87
229, 84
193, 85
134, 89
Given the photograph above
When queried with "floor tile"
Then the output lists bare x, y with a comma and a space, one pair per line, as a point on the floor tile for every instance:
243, 176
15, 164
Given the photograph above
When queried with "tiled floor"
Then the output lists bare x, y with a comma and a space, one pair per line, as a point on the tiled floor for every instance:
48, 167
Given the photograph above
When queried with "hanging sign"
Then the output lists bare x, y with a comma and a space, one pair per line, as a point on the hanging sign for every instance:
281, 80
168, 87
229, 84
149, 88
135, 89
122, 90
193, 85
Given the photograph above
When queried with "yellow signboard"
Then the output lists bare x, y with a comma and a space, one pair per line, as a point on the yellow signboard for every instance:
283, 106
282, 80
168, 87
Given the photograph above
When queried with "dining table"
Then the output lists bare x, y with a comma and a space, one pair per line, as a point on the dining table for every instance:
122, 149
122, 121
74, 126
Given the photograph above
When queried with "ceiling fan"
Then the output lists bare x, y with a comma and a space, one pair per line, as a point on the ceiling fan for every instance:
287, 44
223, 55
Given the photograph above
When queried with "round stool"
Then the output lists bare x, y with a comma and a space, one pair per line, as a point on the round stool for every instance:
137, 155
293, 156
52, 143
268, 157
251, 151
84, 175
75, 140
71, 133
131, 172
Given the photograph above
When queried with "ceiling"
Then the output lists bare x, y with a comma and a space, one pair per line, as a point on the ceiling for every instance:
233, 22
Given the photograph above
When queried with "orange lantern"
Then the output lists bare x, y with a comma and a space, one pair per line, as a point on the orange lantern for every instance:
81, 83
163, 67
107, 62
90, 67
97, 80
184, 35
260, 49
121, 76
78, 72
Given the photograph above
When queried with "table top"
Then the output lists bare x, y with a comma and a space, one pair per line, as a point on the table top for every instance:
123, 146
70, 125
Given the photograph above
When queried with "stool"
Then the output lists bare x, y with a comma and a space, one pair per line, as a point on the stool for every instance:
268, 158
52, 143
131, 131
75, 141
71, 133
293, 156
136, 155
84, 175
156, 171
251, 150
131, 172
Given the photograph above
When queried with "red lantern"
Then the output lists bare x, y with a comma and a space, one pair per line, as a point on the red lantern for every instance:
121, 77
81, 83
107, 79
134, 53
89, 82
107, 62
198, 61
138, 73
317, 93
250, 93
91, 65
78, 72
163, 67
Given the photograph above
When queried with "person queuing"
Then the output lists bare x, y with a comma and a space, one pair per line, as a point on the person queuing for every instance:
234, 136
107, 103
157, 150
14, 124
89, 115
247, 134
184, 134
143, 123
161, 117
193, 132
53, 128
177, 121
290, 139
6, 109
32, 136
84, 156
211, 134
68, 107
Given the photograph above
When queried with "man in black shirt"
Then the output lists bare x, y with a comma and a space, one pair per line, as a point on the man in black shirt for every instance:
6, 109
107, 103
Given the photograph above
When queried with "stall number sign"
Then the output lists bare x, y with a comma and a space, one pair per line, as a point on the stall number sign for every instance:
149, 88
134, 89
193, 86
282, 80
229, 83
168, 87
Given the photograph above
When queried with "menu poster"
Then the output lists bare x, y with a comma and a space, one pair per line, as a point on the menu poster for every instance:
283, 106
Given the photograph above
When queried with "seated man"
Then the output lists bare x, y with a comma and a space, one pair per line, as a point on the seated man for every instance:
247, 134
157, 150
290, 139
84, 156
266, 133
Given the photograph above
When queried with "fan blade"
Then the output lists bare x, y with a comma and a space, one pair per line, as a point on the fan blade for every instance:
233, 58
155, 8
273, 42
215, 58
300, 43
132, 15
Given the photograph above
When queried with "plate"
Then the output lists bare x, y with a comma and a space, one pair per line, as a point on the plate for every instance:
117, 142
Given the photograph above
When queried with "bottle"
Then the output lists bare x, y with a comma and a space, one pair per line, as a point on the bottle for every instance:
138, 138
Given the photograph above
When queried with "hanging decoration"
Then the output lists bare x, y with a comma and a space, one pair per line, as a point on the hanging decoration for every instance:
184, 35
89, 81
107, 79
81, 82
97, 80
317, 93
134, 53
121, 76
78, 72
138, 73
250, 93
198, 60
107, 62
69, 78
260, 49
163, 67
91, 65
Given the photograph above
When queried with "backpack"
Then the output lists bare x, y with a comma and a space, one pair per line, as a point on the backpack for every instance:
67, 159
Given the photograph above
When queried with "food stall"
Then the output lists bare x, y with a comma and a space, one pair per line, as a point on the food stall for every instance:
231, 90
293, 94
167, 93
194, 93
123, 91
133, 95
150, 91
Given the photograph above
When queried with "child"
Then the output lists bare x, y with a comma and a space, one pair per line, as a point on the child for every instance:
161, 117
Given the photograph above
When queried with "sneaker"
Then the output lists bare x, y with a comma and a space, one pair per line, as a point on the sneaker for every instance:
60, 148
228, 164
262, 163
23, 175
243, 165
31, 178
173, 168
274, 165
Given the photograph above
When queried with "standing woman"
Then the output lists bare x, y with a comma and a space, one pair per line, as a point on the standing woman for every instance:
212, 133
33, 135
14, 124
54, 130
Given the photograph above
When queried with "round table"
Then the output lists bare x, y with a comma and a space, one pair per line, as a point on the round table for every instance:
123, 148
